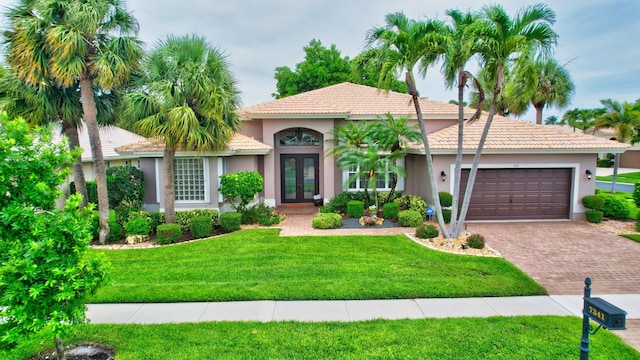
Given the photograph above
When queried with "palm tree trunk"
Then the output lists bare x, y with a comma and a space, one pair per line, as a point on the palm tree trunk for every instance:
453, 223
425, 140
614, 178
71, 131
169, 197
60, 349
538, 114
90, 117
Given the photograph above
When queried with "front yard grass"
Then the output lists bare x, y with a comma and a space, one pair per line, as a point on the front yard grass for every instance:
633, 237
259, 265
629, 178
535, 337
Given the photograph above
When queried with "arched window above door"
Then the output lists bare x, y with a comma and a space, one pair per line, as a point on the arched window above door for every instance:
298, 137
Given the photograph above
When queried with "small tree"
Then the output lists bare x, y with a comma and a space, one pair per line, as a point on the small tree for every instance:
45, 276
242, 185
126, 185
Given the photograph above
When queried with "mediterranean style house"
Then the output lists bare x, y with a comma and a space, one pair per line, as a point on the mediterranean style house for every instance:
527, 171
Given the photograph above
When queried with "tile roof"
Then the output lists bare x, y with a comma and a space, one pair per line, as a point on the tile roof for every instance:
510, 135
347, 100
238, 144
111, 137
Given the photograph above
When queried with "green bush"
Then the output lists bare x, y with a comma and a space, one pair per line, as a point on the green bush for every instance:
476, 241
446, 215
427, 231
169, 233
636, 194
139, 214
183, 217
259, 214
241, 186
325, 209
326, 221
355, 208
137, 226
92, 191
615, 207
383, 197
594, 216
201, 226
125, 185
638, 224
230, 221
413, 202
446, 199
390, 211
157, 219
606, 163
593, 202
410, 218
268, 219
115, 232
122, 213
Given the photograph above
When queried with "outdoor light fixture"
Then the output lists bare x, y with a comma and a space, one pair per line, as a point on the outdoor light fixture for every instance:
588, 172
443, 175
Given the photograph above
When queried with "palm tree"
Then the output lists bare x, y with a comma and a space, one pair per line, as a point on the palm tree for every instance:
505, 41
551, 120
187, 97
622, 117
407, 45
541, 83
88, 42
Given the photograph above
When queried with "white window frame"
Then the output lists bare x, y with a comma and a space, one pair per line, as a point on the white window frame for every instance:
205, 181
346, 173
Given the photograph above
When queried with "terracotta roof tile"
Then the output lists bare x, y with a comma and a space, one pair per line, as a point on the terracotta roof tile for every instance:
350, 101
239, 143
516, 135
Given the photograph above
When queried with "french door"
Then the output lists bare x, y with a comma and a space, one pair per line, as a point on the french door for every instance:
299, 175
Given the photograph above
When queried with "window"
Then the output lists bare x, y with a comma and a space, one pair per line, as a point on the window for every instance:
189, 179
385, 180
299, 137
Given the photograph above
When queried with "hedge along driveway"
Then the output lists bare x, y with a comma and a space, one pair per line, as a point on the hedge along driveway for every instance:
259, 265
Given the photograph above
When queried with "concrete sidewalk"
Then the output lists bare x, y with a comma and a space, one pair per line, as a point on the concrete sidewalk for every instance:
351, 310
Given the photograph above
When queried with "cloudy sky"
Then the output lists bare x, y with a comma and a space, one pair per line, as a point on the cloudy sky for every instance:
598, 38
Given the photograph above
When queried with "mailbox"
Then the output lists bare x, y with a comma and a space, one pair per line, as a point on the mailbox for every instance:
604, 313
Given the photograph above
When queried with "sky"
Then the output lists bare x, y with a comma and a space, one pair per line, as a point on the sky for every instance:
597, 38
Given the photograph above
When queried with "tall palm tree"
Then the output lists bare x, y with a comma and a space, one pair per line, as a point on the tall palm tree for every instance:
187, 97
410, 45
551, 120
504, 42
622, 117
541, 83
88, 42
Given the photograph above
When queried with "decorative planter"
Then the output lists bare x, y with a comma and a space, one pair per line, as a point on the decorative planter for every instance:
318, 202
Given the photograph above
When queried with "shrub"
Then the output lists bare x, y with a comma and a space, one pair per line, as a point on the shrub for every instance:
606, 163
183, 217
125, 185
413, 202
326, 221
390, 211
92, 191
476, 241
594, 216
139, 214
169, 233
268, 219
636, 194
230, 221
201, 226
157, 219
615, 207
383, 198
115, 231
638, 224
593, 202
122, 213
446, 199
446, 215
355, 208
410, 218
325, 209
137, 226
428, 231
257, 212
241, 186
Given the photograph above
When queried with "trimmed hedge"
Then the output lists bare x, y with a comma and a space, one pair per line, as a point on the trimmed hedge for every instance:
594, 216
413, 202
593, 202
476, 241
137, 226
183, 217
409, 218
201, 226
446, 199
446, 215
115, 231
231, 221
615, 207
355, 208
326, 221
606, 163
169, 234
636, 194
427, 231
390, 211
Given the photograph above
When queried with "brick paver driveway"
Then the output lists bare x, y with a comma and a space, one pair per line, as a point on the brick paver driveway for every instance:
559, 255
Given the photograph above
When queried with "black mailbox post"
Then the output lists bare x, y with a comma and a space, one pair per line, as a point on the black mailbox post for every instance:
601, 311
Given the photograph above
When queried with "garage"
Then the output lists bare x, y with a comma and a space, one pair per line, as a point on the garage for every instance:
519, 194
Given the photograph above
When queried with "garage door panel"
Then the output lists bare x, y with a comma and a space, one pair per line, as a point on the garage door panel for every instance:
504, 194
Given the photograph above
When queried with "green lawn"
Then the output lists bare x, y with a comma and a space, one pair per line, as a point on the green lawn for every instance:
633, 237
536, 337
258, 265
629, 178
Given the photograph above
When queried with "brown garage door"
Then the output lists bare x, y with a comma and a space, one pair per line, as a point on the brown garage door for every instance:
514, 194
